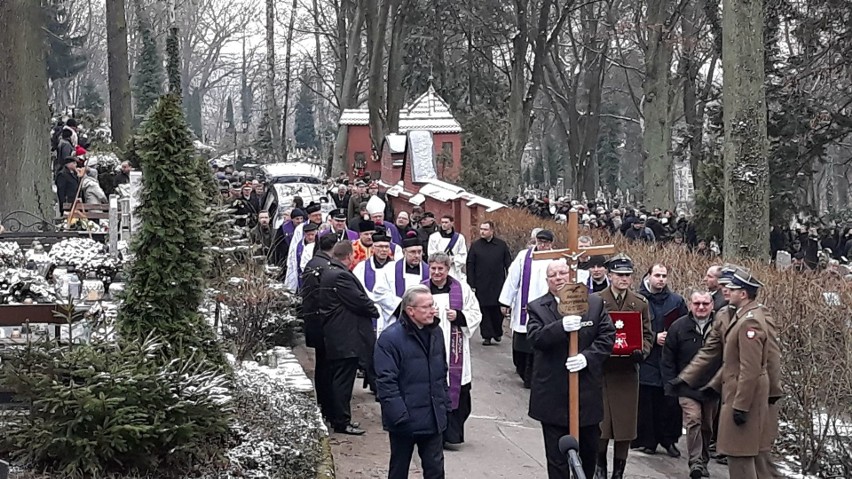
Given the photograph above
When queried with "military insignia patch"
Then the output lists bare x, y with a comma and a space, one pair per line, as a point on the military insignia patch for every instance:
750, 334
619, 324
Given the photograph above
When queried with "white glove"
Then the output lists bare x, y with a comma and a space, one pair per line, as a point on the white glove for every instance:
571, 323
576, 363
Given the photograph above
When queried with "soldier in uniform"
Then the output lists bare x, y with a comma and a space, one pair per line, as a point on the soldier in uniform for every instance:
765, 465
745, 341
621, 374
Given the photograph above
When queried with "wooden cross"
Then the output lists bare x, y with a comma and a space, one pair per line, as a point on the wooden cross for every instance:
572, 255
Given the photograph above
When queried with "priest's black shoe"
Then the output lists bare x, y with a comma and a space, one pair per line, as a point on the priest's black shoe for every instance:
673, 451
486, 342
618, 466
600, 469
350, 430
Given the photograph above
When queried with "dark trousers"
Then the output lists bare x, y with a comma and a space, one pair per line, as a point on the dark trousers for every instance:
342, 375
492, 322
431, 451
322, 380
454, 434
523, 365
660, 418
557, 463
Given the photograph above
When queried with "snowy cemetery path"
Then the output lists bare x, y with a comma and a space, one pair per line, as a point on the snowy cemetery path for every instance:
501, 440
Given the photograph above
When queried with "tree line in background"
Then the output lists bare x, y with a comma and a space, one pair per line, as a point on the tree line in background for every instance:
605, 95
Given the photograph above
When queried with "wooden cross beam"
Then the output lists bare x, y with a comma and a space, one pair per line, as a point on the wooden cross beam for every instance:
572, 256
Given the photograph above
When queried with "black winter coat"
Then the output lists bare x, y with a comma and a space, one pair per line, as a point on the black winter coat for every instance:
487, 267
665, 304
67, 183
347, 314
549, 392
411, 379
311, 297
682, 344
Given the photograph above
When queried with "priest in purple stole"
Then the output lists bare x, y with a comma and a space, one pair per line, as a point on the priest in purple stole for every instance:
370, 272
526, 281
407, 271
459, 314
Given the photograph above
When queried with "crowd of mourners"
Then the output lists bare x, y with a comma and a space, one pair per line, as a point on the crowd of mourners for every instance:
812, 245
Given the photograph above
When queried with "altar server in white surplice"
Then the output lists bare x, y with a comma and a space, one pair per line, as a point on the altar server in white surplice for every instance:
448, 240
527, 281
458, 317
299, 255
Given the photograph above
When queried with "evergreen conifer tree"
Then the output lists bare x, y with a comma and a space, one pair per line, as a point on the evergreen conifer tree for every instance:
609, 157
303, 127
91, 99
63, 60
149, 78
173, 64
167, 277
263, 144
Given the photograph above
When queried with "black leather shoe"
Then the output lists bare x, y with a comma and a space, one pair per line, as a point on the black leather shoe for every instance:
649, 451
673, 451
618, 468
498, 338
486, 342
601, 468
350, 430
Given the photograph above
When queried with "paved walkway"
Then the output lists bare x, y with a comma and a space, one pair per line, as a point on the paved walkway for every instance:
502, 441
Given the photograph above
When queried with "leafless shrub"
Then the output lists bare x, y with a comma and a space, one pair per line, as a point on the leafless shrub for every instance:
256, 313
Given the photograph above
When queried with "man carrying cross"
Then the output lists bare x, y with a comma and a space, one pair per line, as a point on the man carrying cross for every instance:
548, 332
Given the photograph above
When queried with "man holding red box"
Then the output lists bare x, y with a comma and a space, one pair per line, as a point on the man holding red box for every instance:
634, 339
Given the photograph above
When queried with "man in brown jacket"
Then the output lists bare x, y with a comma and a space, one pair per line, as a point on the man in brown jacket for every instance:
748, 350
621, 373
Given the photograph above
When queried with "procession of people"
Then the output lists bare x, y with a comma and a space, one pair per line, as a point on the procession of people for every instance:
386, 300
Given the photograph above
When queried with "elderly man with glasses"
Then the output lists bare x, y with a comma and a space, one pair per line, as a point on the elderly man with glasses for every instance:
686, 337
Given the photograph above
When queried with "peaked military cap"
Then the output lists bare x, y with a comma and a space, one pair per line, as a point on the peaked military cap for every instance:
339, 214
743, 279
620, 263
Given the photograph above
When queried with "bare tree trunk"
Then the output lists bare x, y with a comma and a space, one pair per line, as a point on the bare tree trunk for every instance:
522, 94
395, 94
271, 104
120, 114
657, 90
746, 146
25, 172
348, 94
288, 78
377, 23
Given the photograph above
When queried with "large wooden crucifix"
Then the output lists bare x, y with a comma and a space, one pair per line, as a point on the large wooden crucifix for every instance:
572, 255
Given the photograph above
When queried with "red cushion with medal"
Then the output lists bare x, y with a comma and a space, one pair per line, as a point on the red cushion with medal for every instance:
628, 332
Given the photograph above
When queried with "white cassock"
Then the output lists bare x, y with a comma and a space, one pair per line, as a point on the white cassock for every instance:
373, 285
472, 316
512, 292
458, 252
386, 295
297, 259
299, 232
